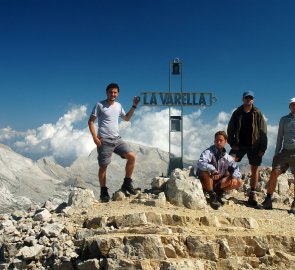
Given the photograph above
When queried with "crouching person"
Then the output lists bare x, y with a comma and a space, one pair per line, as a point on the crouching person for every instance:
217, 171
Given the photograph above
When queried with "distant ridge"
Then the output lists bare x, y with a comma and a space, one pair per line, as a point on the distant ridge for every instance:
23, 181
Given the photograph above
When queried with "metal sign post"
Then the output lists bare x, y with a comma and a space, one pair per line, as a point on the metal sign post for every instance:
176, 99
175, 121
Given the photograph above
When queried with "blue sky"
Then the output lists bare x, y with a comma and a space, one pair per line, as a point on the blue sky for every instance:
57, 56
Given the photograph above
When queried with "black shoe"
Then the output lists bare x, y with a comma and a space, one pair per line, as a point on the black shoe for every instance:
104, 195
219, 196
127, 187
252, 201
214, 203
267, 203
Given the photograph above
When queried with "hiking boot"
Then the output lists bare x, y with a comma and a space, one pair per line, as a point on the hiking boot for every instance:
267, 203
252, 201
219, 196
127, 187
104, 195
214, 203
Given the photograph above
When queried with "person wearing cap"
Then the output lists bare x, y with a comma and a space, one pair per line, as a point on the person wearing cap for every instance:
284, 157
247, 134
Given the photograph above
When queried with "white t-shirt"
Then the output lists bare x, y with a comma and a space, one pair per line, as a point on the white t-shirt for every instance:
108, 118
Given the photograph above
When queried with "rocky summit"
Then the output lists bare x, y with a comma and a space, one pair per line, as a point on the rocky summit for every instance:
170, 226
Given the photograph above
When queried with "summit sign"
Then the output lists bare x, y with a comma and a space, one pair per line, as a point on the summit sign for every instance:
177, 99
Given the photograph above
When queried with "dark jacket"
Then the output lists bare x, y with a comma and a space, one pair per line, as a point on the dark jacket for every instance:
259, 135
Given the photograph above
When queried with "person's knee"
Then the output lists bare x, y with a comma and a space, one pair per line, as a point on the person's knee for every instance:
203, 175
131, 156
240, 183
236, 183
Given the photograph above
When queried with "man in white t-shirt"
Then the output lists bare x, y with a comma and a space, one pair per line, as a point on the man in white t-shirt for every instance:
107, 139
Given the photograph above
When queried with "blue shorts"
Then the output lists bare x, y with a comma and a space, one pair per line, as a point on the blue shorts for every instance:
108, 147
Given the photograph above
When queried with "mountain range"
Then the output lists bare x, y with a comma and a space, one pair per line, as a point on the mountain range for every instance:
24, 181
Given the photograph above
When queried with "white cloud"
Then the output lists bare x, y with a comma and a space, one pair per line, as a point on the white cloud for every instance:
62, 142
223, 117
150, 127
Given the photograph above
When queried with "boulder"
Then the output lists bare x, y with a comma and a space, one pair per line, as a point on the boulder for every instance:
185, 190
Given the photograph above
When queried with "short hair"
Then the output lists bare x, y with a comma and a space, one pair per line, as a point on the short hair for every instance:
222, 133
111, 86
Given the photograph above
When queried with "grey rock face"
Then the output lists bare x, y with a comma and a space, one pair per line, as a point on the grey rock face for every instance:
24, 182
138, 240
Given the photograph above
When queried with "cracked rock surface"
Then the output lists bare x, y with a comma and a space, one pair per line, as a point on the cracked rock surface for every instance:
147, 231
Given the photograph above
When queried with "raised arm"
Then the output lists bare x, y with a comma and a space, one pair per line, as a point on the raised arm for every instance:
128, 115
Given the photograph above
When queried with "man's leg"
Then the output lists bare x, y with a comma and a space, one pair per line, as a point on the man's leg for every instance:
207, 184
102, 172
130, 164
225, 184
254, 177
104, 195
267, 203
273, 181
206, 181
104, 158
255, 160
292, 210
253, 185
229, 183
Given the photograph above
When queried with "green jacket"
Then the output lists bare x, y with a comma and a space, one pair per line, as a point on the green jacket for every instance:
259, 135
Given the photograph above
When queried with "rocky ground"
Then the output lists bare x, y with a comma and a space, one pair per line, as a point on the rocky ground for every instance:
168, 227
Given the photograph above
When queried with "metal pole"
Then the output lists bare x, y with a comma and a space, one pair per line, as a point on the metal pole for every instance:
181, 113
169, 113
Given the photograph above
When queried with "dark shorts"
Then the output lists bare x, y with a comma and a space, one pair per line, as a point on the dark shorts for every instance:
110, 146
252, 155
284, 160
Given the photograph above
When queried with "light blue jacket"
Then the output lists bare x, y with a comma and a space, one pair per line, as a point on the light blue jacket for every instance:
225, 163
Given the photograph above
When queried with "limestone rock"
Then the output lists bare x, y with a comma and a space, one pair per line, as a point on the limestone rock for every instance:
42, 214
144, 247
52, 230
249, 223
81, 198
30, 252
130, 234
185, 190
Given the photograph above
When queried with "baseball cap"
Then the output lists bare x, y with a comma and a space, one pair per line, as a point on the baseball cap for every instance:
248, 94
292, 100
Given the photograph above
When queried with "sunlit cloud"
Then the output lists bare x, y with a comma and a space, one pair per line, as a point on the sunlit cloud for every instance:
151, 127
63, 142
59, 141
